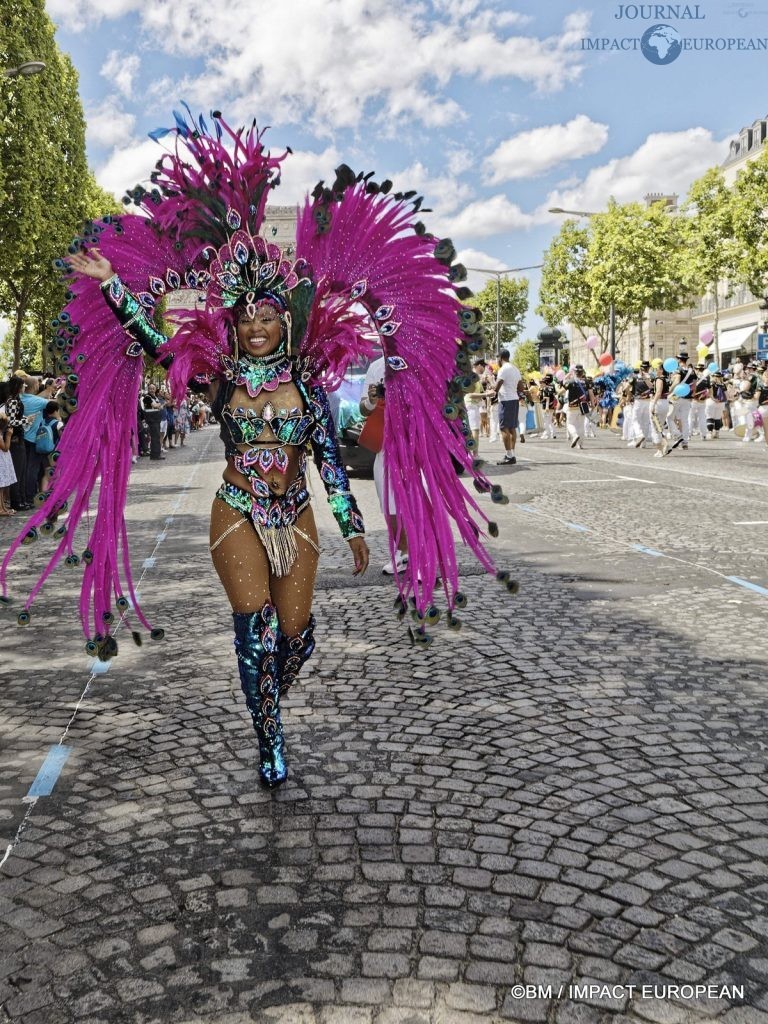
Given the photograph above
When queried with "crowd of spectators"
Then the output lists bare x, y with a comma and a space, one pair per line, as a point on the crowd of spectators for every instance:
31, 421
164, 423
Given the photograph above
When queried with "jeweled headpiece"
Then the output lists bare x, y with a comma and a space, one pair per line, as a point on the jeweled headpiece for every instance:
250, 264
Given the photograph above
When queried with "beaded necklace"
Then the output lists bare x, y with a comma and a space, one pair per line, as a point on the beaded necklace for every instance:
263, 373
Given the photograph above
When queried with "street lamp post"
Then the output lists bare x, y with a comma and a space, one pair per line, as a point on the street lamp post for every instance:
498, 274
25, 69
612, 308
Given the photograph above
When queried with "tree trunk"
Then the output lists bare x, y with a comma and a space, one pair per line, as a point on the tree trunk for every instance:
716, 328
22, 301
641, 324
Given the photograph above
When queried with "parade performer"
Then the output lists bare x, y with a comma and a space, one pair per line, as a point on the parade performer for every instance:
679, 415
271, 333
659, 409
548, 399
699, 397
640, 388
715, 404
579, 400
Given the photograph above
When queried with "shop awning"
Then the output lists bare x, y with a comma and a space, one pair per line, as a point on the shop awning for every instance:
732, 341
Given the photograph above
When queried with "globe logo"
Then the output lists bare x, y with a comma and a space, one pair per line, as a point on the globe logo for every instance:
661, 44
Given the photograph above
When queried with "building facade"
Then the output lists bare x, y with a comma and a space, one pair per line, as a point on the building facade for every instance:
740, 316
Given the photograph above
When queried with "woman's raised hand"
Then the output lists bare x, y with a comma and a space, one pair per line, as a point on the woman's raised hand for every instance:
92, 264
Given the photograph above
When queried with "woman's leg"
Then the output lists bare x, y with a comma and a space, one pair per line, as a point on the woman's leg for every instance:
241, 563
293, 595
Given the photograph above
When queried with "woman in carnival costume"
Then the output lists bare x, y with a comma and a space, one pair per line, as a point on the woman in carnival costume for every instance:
275, 333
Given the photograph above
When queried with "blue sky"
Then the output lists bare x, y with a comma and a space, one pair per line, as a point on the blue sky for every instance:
494, 110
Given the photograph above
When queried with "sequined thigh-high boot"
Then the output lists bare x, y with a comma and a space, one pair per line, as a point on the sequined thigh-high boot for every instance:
293, 651
257, 636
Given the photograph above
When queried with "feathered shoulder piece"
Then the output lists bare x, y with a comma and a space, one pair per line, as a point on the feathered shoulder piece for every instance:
382, 280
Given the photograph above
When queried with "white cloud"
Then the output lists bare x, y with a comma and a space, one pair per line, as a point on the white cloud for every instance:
331, 63
128, 165
442, 192
666, 162
483, 218
121, 70
108, 125
476, 258
301, 171
531, 153
77, 17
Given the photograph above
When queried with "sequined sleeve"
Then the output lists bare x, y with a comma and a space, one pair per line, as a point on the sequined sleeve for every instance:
132, 315
325, 449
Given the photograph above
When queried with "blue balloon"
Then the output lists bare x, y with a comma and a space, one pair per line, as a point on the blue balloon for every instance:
671, 364
713, 368
682, 391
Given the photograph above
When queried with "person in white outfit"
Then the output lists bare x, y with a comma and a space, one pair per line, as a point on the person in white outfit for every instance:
548, 400
642, 389
679, 416
699, 399
659, 409
715, 404
579, 399
373, 393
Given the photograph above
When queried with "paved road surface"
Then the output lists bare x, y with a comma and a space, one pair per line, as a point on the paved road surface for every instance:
570, 791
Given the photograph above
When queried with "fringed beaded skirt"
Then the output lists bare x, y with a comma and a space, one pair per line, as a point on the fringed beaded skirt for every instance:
273, 518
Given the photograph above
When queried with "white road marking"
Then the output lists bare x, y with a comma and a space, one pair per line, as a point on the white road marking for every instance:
96, 668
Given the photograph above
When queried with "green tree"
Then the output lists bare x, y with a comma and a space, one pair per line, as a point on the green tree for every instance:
750, 224
567, 294
508, 304
628, 258
526, 356
46, 191
709, 254
634, 262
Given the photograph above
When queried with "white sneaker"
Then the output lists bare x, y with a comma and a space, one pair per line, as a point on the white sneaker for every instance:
400, 563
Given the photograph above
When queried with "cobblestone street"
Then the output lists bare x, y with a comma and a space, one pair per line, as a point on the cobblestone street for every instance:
569, 791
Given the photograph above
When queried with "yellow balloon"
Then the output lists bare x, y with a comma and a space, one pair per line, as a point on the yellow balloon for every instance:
637, 365
656, 363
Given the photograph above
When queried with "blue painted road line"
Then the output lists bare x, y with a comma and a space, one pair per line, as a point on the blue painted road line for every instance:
749, 586
49, 771
648, 551
577, 526
149, 563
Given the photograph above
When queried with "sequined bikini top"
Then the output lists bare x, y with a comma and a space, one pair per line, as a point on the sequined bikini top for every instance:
246, 426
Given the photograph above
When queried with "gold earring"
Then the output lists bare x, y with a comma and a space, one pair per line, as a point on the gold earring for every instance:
288, 326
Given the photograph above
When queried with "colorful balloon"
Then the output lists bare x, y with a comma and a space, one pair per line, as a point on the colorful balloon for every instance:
706, 338
592, 342
682, 390
671, 364
656, 363
559, 375
605, 359
713, 368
